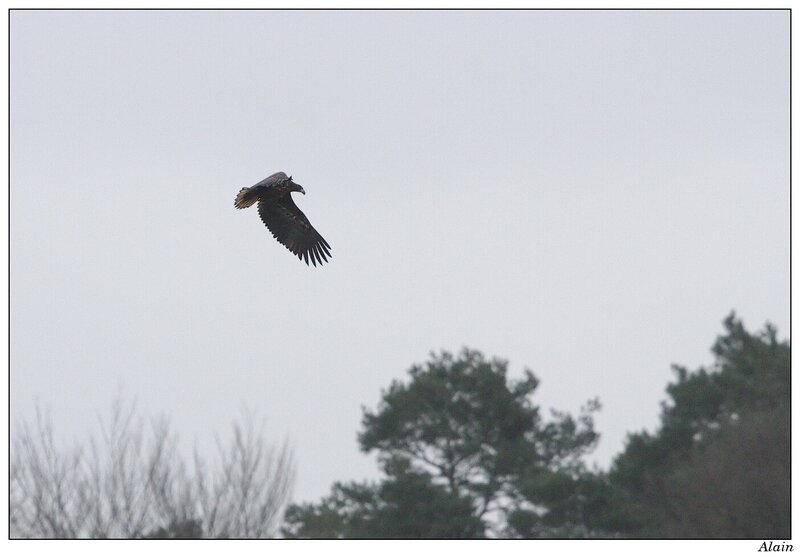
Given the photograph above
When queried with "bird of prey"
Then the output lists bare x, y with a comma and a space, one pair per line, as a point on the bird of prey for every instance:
287, 223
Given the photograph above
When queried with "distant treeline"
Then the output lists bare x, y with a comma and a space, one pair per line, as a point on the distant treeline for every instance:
464, 453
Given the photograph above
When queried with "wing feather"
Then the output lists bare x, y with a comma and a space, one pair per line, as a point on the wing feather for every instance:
291, 228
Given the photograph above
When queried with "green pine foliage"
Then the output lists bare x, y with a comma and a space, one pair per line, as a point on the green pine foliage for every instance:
718, 465
455, 440
466, 452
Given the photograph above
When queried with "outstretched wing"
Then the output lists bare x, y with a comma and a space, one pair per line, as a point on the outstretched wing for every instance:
291, 228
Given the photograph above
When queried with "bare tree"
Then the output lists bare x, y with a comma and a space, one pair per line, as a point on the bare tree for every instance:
132, 482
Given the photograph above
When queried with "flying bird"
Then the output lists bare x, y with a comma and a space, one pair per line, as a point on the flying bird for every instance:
287, 223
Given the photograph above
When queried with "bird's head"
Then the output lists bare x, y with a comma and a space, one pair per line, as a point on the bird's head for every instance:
296, 187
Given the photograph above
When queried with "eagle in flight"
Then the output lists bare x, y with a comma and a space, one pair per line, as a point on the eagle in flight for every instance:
287, 223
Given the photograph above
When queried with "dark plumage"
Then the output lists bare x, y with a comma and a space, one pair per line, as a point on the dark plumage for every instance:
287, 223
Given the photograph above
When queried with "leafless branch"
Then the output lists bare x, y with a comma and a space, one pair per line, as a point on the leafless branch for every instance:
133, 482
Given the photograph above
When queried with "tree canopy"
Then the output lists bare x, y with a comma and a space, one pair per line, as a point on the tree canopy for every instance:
405, 505
465, 451
466, 433
724, 436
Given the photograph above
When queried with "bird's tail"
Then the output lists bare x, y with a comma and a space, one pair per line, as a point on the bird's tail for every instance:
245, 198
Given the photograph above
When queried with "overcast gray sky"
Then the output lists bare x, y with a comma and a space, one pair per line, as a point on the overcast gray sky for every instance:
586, 194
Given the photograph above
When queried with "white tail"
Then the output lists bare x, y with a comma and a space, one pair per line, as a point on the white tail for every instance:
245, 198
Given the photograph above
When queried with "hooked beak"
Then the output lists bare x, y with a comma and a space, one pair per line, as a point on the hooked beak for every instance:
301, 190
